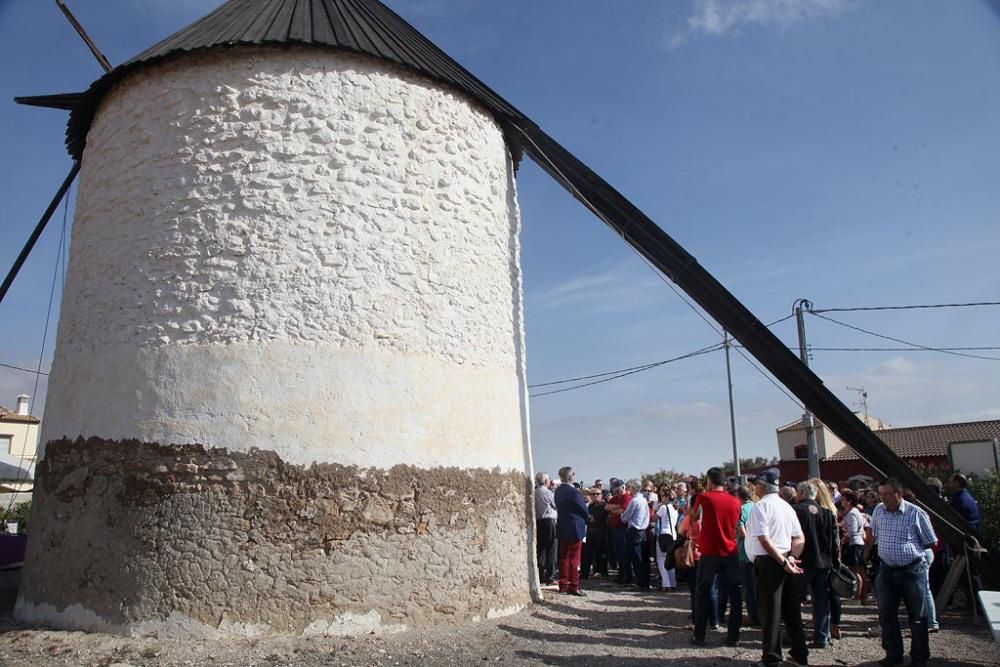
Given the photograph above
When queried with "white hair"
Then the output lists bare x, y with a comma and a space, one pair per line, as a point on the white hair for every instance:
807, 490
541, 478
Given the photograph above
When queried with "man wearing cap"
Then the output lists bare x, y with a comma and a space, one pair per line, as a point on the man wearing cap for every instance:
774, 542
619, 500
902, 532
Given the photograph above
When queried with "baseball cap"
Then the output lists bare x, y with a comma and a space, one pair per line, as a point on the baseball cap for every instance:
769, 477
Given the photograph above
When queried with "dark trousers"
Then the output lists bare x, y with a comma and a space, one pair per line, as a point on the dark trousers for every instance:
595, 554
836, 608
545, 549
636, 541
727, 570
817, 582
749, 590
691, 576
777, 601
622, 554
907, 584
569, 565
609, 540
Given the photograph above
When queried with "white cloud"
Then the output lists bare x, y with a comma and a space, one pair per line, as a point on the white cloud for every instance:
618, 286
717, 17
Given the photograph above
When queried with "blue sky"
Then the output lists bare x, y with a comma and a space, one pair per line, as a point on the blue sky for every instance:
839, 150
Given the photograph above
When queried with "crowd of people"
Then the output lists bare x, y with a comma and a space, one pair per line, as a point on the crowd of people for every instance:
764, 547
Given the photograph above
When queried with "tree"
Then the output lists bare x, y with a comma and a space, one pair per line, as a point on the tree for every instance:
752, 463
669, 477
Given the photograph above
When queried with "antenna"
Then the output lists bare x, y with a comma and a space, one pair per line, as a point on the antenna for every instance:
862, 400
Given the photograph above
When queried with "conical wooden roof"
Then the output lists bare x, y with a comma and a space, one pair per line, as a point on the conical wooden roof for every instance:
361, 26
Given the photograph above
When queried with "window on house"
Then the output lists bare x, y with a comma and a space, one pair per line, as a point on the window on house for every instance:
6, 443
801, 452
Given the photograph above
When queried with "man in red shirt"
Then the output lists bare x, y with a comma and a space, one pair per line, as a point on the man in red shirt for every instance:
720, 513
619, 500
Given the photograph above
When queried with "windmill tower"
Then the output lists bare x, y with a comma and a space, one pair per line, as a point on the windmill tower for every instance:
288, 392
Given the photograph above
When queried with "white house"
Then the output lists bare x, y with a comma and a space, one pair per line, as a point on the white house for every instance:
18, 446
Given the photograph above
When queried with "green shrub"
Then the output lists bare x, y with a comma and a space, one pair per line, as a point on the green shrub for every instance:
19, 512
986, 491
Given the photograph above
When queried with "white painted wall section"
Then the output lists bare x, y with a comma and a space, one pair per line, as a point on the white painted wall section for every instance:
301, 251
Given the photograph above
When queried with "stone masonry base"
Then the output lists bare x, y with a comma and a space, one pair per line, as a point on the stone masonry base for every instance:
146, 539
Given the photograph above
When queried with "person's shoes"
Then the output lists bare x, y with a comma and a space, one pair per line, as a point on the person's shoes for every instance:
694, 641
579, 594
834, 631
818, 646
933, 630
797, 662
890, 661
717, 628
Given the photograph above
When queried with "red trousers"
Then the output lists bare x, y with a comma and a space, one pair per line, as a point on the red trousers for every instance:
569, 565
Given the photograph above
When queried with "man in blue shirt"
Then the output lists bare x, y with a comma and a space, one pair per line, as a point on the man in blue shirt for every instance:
571, 527
963, 501
902, 531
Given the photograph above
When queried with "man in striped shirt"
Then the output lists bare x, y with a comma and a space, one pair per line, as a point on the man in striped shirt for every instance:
902, 531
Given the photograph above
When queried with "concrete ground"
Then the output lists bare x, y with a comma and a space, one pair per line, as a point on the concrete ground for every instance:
611, 626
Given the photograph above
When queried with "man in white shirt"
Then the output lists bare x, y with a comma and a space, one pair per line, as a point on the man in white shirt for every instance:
545, 530
636, 520
774, 542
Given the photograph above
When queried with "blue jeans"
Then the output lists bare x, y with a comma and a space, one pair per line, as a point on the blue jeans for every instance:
932, 621
728, 570
746, 579
635, 542
908, 584
622, 554
817, 582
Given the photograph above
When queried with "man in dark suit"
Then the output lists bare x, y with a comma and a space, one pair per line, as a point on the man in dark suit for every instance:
571, 527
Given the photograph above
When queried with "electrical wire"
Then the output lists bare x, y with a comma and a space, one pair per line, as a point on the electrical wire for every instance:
41, 354
915, 307
640, 367
898, 349
696, 353
19, 368
901, 341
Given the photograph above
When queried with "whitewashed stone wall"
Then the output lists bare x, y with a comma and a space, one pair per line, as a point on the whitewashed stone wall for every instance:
301, 251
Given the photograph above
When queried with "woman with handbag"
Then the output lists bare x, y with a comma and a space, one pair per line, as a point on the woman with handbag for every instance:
666, 535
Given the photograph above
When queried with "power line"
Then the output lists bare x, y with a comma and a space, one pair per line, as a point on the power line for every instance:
714, 348
914, 307
640, 367
900, 349
904, 342
769, 378
26, 370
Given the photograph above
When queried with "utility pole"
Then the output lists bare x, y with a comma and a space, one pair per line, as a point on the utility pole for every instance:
807, 417
727, 343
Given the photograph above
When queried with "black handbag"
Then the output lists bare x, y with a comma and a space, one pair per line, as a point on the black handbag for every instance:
665, 542
844, 582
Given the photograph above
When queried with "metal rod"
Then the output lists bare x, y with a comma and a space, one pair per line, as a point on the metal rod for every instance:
83, 34
807, 418
39, 228
732, 413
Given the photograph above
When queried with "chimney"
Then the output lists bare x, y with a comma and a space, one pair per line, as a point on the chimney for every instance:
22, 404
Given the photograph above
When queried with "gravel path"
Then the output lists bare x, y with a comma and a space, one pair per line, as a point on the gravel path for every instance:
611, 626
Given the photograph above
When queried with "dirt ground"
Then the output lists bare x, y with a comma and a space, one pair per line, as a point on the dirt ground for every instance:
611, 626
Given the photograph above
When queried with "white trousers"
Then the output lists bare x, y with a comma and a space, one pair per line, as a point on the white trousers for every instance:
668, 578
